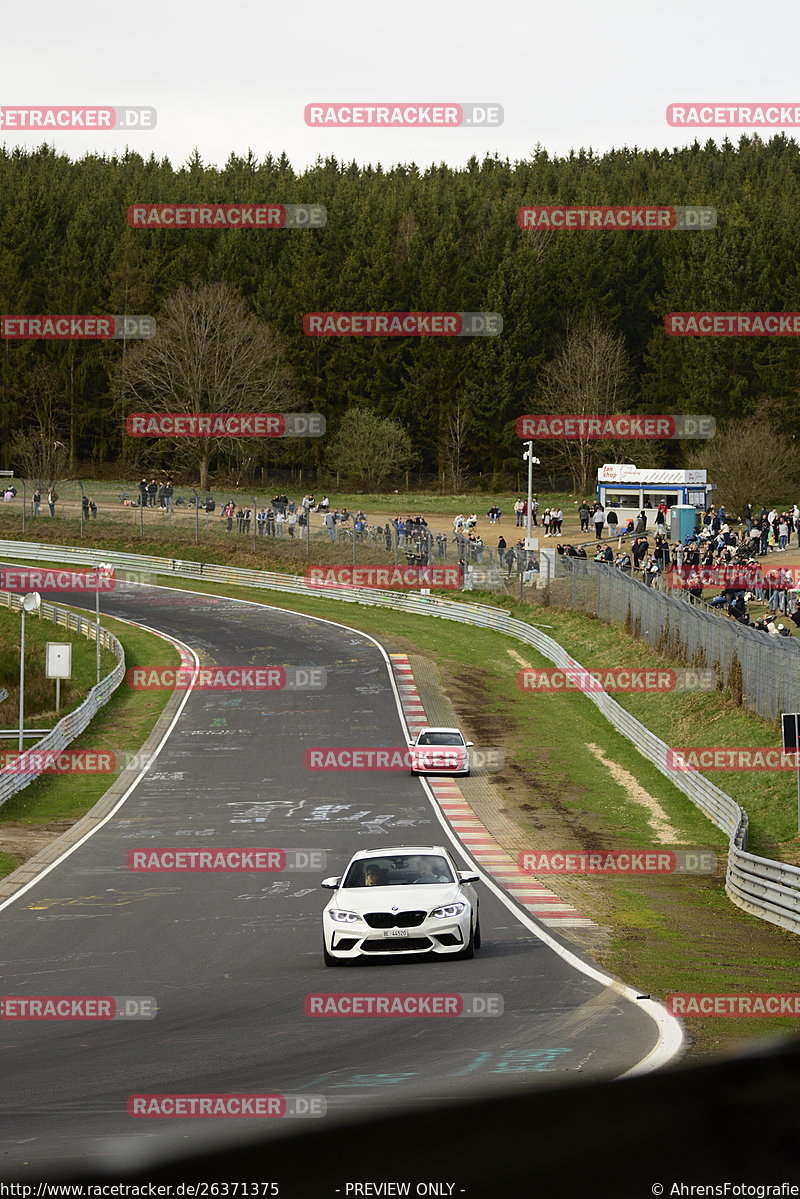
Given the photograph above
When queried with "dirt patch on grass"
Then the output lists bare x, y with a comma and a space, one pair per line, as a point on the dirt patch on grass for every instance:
25, 840
663, 831
551, 814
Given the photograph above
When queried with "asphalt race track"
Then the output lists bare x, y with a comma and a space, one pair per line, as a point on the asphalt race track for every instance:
230, 957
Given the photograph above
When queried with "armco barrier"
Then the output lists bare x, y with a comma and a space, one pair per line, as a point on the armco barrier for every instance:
768, 889
74, 723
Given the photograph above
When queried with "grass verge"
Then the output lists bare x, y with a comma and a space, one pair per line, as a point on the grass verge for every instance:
53, 802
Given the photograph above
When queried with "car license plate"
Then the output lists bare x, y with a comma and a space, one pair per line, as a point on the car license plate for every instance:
396, 932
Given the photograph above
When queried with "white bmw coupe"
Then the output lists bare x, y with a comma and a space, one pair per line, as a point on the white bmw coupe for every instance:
401, 901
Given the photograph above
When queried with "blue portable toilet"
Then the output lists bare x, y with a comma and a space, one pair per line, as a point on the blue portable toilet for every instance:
682, 521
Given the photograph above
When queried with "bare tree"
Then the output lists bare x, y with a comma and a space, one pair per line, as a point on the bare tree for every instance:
590, 376
37, 453
454, 442
210, 354
751, 461
368, 448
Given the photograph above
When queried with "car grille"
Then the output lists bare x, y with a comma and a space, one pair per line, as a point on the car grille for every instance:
393, 944
395, 919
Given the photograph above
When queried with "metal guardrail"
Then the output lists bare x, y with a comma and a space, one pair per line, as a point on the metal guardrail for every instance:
765, 888
76, 721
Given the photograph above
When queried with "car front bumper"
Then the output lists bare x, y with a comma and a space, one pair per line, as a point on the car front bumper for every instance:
442, 937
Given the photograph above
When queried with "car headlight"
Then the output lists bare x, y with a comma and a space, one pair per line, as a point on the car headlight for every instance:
343, 917
449, 909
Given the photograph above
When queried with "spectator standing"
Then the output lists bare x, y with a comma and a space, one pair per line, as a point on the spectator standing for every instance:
248, 516
239, 520
52, 500
329, 522
36, 502
152, 492
612, 520
519, 508
85, 507
748, 516
547, 521
143, 493
556, 518
783, 533
168, 495
534, 512
93, 509
280, 520
598, 519
583, 516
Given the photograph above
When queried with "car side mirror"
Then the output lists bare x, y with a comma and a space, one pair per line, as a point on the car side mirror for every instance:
470, 743
330, 884
465, 877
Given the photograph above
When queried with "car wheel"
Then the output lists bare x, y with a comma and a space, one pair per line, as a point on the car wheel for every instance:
476, 937
329, 961
467, 773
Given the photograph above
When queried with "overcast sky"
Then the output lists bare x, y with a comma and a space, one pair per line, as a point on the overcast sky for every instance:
226, 77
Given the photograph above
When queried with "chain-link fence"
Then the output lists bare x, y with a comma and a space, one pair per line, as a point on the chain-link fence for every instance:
763, 668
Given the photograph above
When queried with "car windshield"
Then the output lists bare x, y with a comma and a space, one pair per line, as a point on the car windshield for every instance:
440, 739
399, 871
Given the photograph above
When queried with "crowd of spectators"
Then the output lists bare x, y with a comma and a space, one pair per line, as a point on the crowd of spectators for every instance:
714, 544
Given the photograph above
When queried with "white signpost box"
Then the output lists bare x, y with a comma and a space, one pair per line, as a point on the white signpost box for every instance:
58, 665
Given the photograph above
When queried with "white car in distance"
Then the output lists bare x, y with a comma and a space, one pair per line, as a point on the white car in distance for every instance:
406, 900
440, 751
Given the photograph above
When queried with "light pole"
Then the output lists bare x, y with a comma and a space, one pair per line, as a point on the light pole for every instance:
104, 570
30, 603
529, 458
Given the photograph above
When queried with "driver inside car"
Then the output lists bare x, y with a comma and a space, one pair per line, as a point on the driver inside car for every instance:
427, 874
